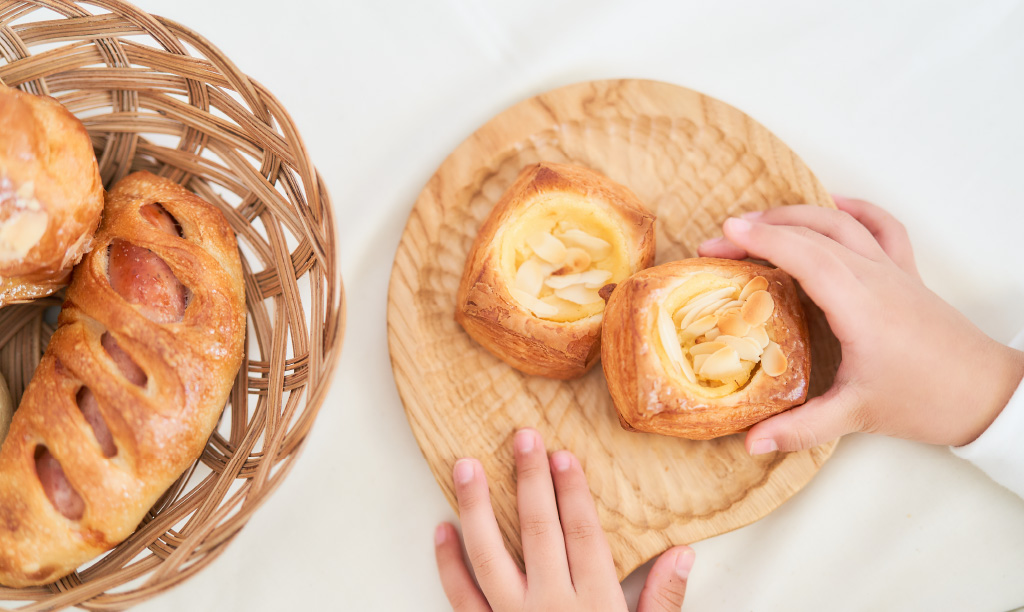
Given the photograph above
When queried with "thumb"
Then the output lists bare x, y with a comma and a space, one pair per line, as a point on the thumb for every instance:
820, 420
666, 584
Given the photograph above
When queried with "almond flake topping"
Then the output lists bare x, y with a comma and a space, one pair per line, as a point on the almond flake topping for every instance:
728, 331
561, 268
701, 326
670, 342
594, 246
548, 248
773, 361
578, 294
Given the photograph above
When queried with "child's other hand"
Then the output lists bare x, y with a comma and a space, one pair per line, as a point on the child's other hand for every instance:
568, 562
912, 366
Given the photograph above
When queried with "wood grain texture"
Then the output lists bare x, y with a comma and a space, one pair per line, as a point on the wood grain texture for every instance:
694, 161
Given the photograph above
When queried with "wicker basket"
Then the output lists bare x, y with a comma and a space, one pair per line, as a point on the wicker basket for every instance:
156, 96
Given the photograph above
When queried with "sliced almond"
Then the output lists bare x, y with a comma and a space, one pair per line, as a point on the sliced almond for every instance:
732, 323
578, 294
745, 347
757, 308
723, 365
712, 334
576, 260
698, 361
701, 301
537, 307
706, 348
759, 334
728, 306
597, 248
670, 344
701, 326
773, 361
712, 308
530, 275
591, 279
688, 372
548, 248
561, 282
595, 279
606, 291
758, 283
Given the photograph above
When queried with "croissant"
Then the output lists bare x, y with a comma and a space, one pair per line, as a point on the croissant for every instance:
51, 195
131, 384
534, 287
704, 347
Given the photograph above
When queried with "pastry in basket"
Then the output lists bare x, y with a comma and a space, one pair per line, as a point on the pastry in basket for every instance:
51, 195
534, 288
705, 347
131, 385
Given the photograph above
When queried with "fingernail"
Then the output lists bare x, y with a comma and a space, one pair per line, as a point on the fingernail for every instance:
440, 534
737, 225
711, 242
684, 563
752, 214
762, 446
464, 471
525, 440
561, 461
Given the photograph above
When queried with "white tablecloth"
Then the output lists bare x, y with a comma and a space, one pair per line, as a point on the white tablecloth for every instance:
915, 105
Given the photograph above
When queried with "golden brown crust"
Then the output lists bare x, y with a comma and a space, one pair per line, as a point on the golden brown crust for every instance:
649, 399
158, 428
46, 157
488, 312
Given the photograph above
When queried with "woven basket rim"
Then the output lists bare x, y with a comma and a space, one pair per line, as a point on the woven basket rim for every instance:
223, 154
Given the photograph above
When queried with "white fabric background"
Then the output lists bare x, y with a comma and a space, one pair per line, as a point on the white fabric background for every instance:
915, 105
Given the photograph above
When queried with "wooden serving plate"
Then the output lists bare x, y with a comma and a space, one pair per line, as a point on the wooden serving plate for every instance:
694, 161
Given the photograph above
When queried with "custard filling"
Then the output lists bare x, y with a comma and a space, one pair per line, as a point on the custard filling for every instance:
559, 254
713, 333
22, 219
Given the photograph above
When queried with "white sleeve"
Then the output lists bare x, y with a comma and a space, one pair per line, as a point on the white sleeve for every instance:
999, 450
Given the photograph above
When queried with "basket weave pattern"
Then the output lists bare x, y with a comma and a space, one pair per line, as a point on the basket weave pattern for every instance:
156, 96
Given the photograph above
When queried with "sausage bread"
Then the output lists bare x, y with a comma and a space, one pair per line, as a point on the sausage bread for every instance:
131, 385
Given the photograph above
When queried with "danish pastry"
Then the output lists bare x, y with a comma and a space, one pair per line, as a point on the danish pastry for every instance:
51, 195
535, 283
131, 384
705, 347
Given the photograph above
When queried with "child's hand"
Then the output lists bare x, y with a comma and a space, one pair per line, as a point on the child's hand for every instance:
912, 366
568, 562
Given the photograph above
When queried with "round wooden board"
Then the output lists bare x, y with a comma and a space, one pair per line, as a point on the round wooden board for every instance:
694, 161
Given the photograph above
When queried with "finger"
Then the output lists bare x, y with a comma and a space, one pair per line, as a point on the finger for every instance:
822, 267
543, 544
495, 570
666, 583
835, 224
720, 247
458, 585
820, 420
590, 558
886, 229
